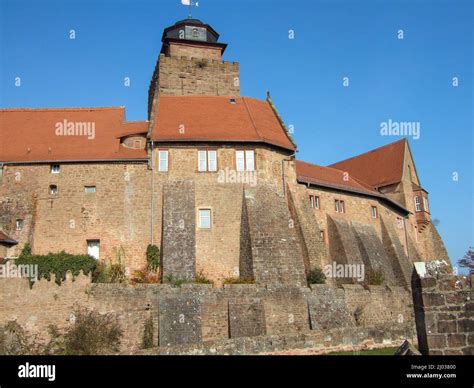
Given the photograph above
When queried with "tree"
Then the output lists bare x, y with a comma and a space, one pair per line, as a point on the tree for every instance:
468, 260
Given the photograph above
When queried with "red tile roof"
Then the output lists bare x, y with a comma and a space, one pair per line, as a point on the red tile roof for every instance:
338, 180
29, 135
380, 167
5, 239
212, 118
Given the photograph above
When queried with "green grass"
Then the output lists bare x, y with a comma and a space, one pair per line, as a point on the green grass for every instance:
369, 352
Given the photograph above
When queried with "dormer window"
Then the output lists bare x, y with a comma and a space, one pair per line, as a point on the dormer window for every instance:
195, 33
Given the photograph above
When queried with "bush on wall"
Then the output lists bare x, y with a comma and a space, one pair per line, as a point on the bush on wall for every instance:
57, 263
316, 276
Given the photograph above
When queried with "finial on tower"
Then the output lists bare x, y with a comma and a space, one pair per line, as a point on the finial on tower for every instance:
190, 4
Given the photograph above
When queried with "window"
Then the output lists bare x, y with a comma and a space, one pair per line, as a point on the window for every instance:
93, 248
53, 189
311, 201
321, 233
163, 161
339, 206
316, 202
204, 221
374, 211
195, 32
89, 189
417, 204
207, 160
425, 204
245, 160
249, 160
19, 224
55, 168
240, 160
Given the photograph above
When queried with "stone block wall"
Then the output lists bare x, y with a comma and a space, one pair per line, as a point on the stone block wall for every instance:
444, 311
198, 314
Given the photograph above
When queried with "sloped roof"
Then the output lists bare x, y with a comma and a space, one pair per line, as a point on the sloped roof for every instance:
33, 135
379, 167
217, 119
6, 240
336, 179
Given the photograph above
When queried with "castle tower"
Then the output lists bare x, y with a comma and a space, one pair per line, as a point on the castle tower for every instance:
190, 63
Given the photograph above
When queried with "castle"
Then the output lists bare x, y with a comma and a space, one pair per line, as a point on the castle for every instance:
212, 178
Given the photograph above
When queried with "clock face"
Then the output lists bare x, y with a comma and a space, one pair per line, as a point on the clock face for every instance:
195, 33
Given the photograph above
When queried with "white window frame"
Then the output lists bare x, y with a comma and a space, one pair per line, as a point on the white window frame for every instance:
212, 160
249, 160
425, 204
417, 203
55, 168
202, 216
92, 244
19, 224
311, 201
316, 202
163, 157
240, 160
202, 161
90, 189
207, 160
245, 160
374, 212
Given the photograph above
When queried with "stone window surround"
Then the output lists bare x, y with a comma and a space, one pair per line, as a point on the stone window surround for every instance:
55, 168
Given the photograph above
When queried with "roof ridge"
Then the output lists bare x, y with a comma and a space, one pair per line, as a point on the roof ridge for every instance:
368, 152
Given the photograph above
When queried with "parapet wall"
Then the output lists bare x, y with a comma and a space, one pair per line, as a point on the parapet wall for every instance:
193, 315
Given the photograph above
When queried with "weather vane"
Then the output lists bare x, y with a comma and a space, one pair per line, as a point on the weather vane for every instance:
190, 3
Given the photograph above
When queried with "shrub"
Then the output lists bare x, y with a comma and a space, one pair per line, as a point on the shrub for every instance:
374, 278
153, 257
316, 276
201, 279
91, 334
144, 276
13, 340
57, 263
238, 281
147, 341
111, 272
174, 281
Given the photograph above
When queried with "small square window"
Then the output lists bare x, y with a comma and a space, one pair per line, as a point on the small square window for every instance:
204, 221
55, 168
19, 225
89, 189
53, 189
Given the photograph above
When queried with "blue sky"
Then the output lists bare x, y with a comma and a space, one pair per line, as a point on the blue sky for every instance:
406, 79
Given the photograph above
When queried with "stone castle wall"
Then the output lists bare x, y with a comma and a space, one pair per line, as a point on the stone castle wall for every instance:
195, 314
444, 311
